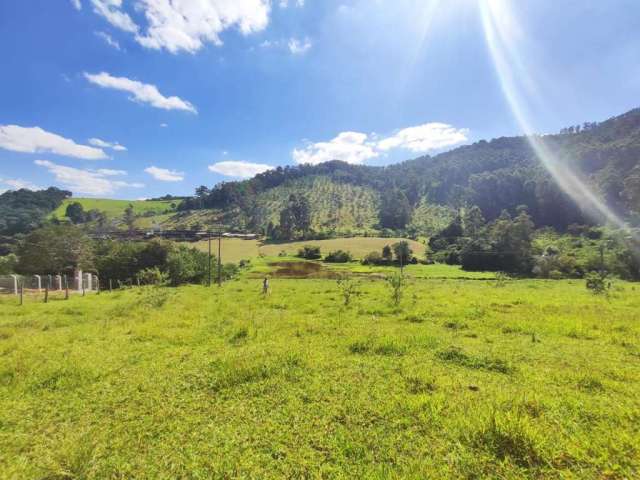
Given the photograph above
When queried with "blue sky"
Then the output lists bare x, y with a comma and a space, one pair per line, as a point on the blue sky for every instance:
139, 98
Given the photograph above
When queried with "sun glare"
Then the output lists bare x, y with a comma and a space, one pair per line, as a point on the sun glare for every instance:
505, 40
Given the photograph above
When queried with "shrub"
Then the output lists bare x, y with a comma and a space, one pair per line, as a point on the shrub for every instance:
187, 265
339, 256
348, 288
396, 284
229, 271
513, 436
597, 283
554, 265
310, 252
8, 264
373, 258
153, 276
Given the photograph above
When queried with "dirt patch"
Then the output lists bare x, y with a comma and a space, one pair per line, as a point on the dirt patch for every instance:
300, 270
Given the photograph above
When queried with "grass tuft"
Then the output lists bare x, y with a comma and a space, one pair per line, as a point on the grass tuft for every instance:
457, 356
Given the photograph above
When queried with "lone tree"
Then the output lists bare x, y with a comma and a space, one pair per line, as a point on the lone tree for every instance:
403, 252
129, 217
387, 254
75, 213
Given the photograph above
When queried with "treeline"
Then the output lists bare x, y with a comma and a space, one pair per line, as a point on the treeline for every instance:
63, 248
512, 245
498, 175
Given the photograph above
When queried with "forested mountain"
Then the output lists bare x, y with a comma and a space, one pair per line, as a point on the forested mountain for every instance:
495, 175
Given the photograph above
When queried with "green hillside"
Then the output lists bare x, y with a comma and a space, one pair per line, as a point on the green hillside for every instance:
501, 174
116, 208
336, 207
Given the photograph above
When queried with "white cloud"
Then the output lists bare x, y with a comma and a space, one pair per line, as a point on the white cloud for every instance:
285, 3
164, 125
142, 92
350, 147
37, 140
110, 10
107, 172
109, 40
239, 169
425, 138
96, 142
165, 175
299, 47
76, 4
268, 44
17, 184
89, 182
186, 25
355, 147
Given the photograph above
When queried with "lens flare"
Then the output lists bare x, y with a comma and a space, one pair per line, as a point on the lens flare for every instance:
505, 37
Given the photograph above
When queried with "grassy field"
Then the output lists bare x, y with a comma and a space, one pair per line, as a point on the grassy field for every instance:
235, 249
358, 246
115, 208
465, 379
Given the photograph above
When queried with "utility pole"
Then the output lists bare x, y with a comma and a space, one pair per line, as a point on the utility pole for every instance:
220, 259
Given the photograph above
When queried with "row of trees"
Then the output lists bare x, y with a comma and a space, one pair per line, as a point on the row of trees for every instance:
399, 253
76, 213
507, 244
60, 249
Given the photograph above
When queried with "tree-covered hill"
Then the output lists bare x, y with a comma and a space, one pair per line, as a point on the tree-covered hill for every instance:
495, 175
23, 210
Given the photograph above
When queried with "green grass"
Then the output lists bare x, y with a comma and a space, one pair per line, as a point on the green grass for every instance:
115, 208
466, 379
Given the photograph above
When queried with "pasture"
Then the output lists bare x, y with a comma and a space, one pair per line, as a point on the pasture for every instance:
116, 208
358, 246
235, 249
464, 379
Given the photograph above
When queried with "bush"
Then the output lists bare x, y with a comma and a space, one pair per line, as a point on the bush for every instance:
310, 252
153, 276
597, 283
348, 288
396, 284
229, 271
125, 260
554, 265
8, 264
188, 265
339, 256
373, 258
